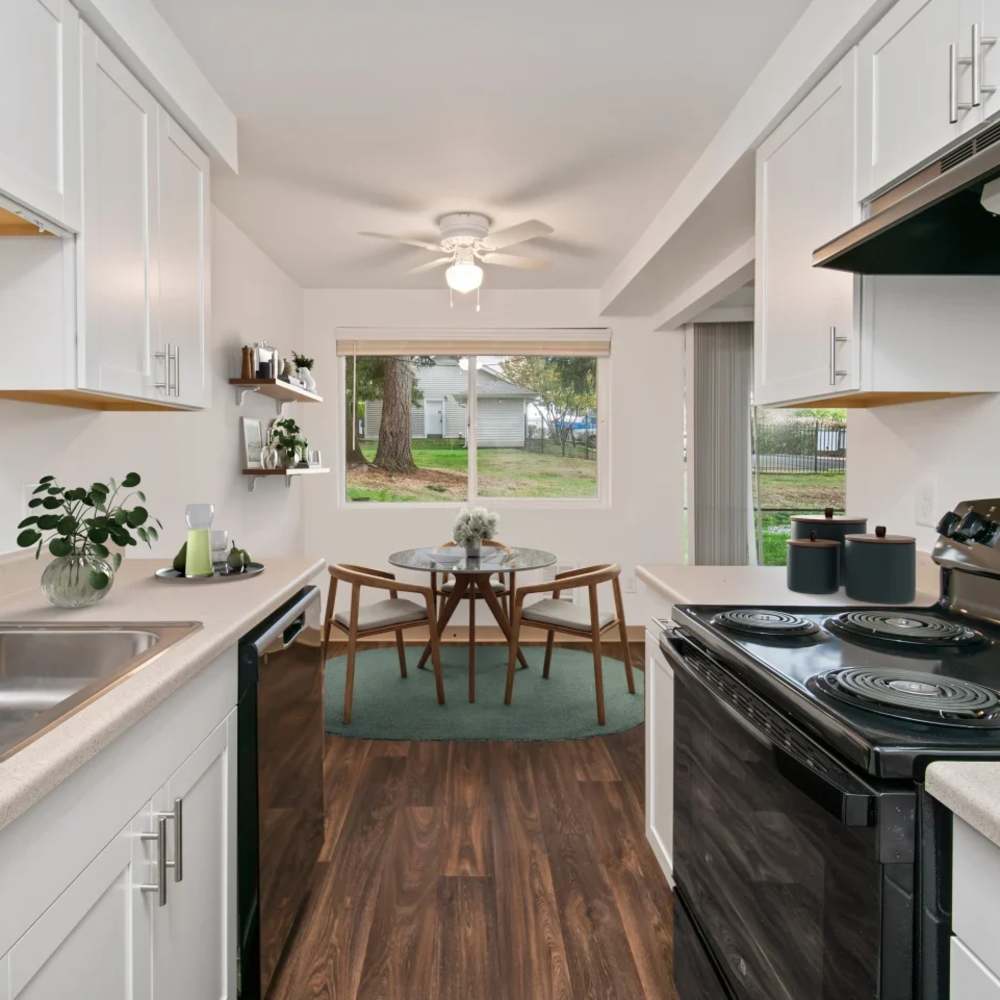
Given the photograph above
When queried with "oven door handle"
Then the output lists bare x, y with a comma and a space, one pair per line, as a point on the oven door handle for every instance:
799, 762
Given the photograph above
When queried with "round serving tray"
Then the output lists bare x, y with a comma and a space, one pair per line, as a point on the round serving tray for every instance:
175, 576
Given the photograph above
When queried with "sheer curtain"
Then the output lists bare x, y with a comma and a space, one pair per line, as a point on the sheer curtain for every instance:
720, 386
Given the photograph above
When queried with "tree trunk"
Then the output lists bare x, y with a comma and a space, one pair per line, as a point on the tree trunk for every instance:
394, 453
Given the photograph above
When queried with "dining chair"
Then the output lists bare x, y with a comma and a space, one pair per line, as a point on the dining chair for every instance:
504, 591
394, 613
557, 615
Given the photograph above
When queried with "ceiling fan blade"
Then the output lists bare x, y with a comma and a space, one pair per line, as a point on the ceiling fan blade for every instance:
430, 265
512, 260
517, 234
423, 244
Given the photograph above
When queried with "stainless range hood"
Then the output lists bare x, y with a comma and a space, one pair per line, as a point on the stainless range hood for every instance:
932, 223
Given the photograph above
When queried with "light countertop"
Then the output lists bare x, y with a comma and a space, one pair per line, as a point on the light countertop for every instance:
225, 610
971, 790
758, 585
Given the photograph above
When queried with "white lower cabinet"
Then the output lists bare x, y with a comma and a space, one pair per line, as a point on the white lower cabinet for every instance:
151, 914
970, 979
194, 953
659, 754
93, 941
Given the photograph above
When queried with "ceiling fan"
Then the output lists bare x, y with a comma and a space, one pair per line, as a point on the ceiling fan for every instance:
466, 243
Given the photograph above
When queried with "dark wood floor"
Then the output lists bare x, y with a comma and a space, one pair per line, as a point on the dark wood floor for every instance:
484, 871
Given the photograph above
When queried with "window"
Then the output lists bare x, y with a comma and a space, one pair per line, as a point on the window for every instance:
442, 428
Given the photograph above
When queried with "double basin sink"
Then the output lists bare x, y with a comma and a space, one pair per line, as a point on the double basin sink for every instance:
48, 672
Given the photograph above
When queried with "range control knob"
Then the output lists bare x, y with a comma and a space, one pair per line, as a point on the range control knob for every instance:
972, 527
990, 535
947, 525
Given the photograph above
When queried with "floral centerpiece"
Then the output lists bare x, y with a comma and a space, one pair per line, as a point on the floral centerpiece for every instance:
77, 525
473, 526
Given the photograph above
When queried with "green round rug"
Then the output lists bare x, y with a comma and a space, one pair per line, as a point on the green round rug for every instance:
387, 707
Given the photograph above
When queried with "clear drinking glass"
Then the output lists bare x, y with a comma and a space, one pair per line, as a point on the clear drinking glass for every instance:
199, 539
220, 546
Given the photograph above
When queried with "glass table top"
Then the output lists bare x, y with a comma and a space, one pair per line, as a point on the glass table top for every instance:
438, 559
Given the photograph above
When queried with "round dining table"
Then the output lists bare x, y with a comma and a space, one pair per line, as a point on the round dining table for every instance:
472, 580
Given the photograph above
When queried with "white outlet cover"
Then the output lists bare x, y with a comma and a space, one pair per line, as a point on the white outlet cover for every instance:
926, 512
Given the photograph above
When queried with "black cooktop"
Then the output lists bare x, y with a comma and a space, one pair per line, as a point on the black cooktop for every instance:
887, 688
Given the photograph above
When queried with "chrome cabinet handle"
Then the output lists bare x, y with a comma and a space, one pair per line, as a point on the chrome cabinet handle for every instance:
835, 372
160, 885
980, 42
954, 104
165, 384
177, 380
178, 863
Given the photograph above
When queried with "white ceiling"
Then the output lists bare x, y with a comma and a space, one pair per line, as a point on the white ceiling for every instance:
384, 114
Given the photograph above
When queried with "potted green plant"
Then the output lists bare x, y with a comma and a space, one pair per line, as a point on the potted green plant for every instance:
77, 526
304, 367
287, 435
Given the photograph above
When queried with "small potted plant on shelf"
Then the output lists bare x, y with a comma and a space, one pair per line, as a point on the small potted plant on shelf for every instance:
473, 526
304, 366
287, 435
77, 525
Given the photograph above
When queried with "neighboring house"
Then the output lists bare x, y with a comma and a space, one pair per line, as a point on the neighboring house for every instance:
441, 412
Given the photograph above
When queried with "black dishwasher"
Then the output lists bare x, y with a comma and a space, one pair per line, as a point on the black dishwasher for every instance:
280, 810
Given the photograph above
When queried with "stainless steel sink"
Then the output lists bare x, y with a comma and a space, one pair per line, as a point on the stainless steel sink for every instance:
47, 672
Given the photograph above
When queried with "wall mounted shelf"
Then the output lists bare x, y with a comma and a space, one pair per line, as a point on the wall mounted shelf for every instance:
287, 474
280, 392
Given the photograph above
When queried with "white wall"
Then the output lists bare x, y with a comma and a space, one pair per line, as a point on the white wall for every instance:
182, 457
643, 522
895, 452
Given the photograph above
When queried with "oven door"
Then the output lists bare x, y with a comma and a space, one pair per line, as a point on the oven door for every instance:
795, 890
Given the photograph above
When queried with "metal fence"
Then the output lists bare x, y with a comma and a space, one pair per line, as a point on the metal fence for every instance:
800, 446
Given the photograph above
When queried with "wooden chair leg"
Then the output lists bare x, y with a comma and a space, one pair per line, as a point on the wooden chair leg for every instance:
331, 600
472, 650
435, 645
515, 637
623, 632
549, 639
595, 632
352, 649
401, 649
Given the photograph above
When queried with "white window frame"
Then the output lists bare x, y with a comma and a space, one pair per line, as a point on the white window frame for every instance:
601, 502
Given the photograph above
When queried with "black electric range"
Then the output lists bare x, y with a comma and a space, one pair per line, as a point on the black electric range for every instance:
808, 858
886, 689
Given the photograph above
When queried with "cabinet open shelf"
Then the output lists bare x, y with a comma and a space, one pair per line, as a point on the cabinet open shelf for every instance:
287, 474
280, 392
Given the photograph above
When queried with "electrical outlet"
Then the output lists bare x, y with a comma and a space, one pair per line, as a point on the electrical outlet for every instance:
628, 582
926, 504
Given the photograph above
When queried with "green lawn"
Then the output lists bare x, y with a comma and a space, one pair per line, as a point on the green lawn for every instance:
793, 493
503, 472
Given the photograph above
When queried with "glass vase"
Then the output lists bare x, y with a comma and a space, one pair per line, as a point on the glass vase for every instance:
69, 581
473, 549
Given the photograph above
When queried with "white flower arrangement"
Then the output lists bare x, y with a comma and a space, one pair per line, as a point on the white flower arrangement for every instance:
474, 525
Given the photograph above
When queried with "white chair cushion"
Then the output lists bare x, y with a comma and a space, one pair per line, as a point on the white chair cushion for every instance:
552, 611
497, 586
383, 614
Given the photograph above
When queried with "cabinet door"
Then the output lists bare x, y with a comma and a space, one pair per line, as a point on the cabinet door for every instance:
182, 262
990, 12
40, 107
194, 935
660, 755
905, 89
805, 331
116, 252
94, 940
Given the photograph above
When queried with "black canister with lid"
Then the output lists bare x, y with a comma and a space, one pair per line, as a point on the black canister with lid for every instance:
813, 565
831, 526
881, 568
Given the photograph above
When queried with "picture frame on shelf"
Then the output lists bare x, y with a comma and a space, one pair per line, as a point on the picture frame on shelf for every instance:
252, 441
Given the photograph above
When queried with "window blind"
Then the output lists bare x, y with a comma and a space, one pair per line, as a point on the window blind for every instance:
590, 343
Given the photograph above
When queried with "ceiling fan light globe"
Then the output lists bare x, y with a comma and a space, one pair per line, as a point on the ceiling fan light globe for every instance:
464, 277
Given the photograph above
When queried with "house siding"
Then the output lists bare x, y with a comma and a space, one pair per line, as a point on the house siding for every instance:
501, 421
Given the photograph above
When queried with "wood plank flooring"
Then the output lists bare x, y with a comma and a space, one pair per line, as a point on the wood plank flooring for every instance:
484, 871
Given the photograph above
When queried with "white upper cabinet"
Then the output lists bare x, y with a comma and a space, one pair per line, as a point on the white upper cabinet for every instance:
928, 73
182, 263
805, 328
116, 262
40, 108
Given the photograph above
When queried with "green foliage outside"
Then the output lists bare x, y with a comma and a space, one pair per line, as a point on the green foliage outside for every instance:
792, 493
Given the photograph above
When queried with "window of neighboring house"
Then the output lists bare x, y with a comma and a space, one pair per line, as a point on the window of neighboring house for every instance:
410, 437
